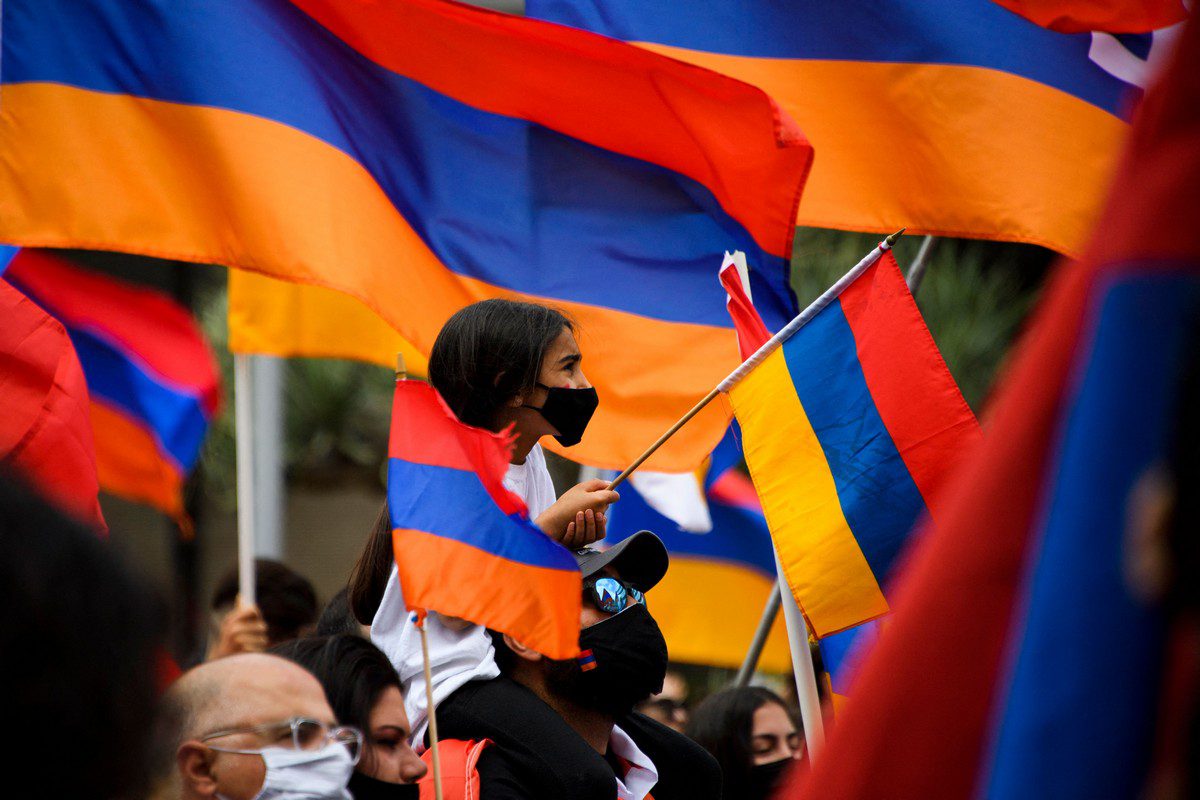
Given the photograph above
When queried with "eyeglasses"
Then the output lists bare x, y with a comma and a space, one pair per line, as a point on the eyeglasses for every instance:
298, 733
611, 595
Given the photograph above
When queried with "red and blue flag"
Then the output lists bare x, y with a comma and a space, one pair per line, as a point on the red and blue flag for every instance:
419, 156
464, 544
948, 117
1025, 653
152, 377
851, 427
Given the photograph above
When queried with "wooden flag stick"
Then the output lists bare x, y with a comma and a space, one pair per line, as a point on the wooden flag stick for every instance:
432, 713
769, 347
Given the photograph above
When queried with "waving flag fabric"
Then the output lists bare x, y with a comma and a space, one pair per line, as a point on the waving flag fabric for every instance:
851, 426
44, 431
710, 601
1041, 676
950, 117
418, 156
1113, 16
273, 317
152, 377
464, 544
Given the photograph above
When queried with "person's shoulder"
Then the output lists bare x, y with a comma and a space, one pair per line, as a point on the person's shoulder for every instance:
499, 777
685, 769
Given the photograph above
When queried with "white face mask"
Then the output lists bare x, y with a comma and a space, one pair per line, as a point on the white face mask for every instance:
306, 774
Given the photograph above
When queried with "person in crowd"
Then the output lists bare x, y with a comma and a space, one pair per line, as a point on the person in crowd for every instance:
753, 736
255, 725
364, 691
623, 662
80, 642
337, 617
497, 364
670, 705
286, 609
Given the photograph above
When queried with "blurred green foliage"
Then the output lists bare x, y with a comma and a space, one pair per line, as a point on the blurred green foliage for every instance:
974, 299
974, 296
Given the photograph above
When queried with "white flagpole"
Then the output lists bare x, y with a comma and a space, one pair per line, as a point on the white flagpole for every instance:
243, 391
802, 667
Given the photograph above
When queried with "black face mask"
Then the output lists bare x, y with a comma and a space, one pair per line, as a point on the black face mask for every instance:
364, 787
765, 779
630, 664
569, 411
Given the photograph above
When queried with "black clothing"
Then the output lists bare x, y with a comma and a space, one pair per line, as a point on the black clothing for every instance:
685, 769
538, 756
543, 755
364, 787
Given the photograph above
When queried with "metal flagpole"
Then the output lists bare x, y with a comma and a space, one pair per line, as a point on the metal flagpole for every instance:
243, 391
916, 273
770, 612
802, 667
267, 436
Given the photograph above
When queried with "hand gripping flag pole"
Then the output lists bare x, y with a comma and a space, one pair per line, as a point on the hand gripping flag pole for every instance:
402, 374
769, 347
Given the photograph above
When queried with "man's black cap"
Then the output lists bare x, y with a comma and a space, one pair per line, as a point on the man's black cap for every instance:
641, 559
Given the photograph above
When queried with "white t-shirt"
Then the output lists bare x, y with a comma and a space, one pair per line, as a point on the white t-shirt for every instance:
457, 653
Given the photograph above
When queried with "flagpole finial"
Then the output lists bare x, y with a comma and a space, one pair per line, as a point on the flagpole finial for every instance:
891, 239
401, 369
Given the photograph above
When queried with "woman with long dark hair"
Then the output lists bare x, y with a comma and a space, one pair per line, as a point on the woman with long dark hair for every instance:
754, 737
364, 691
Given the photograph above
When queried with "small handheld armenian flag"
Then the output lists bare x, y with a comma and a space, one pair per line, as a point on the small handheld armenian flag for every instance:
851, 422
464, 544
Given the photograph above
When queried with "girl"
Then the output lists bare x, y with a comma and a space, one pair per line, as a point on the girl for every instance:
496, 363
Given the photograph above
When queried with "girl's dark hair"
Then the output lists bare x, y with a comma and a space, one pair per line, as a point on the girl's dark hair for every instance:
369, 577
488, 353
724, 725
352, 671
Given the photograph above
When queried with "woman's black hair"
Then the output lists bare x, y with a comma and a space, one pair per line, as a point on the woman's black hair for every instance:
724, 726
369, 578
353, 672
490, 352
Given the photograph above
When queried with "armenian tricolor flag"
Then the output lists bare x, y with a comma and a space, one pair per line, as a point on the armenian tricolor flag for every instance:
851, 424
418, 156
951, 117
1025, 654
152, 378
464, 544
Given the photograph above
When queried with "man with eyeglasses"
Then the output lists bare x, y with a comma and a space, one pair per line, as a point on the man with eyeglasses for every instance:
622, 662
257, 726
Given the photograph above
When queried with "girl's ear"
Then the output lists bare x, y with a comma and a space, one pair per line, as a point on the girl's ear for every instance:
521, 651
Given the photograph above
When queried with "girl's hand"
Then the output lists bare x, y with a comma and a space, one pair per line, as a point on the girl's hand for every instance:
578, 517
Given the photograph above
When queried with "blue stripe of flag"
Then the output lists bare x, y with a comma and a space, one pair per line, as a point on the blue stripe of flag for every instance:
878, 496
1078, 717
971, 33
453, 503
174, 418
